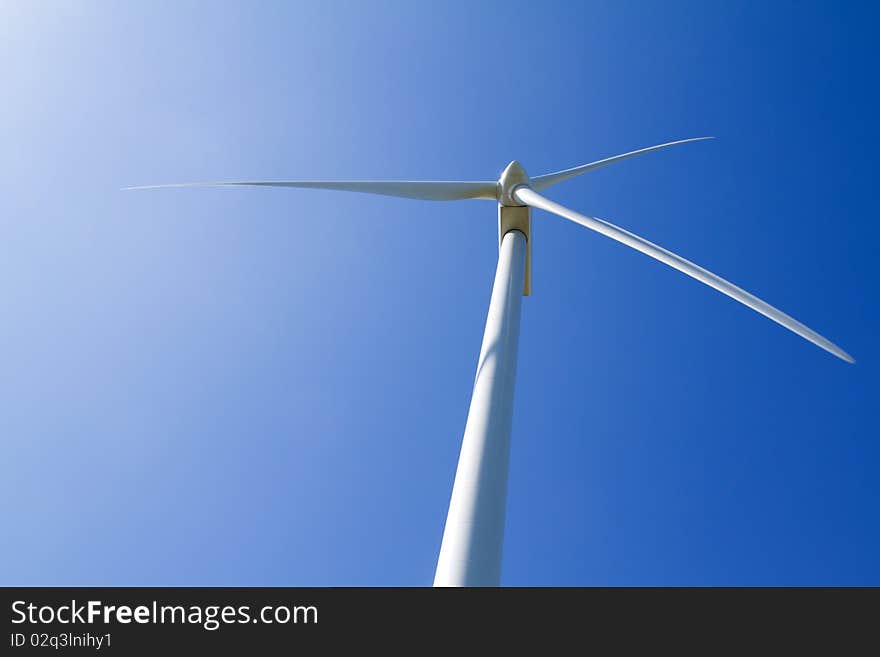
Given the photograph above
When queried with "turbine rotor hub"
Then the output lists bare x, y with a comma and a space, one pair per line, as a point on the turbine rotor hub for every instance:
512, 177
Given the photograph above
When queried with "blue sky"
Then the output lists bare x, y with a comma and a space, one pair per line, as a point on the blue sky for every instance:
269, 387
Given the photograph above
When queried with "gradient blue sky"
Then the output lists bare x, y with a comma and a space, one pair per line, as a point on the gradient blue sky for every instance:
258, 387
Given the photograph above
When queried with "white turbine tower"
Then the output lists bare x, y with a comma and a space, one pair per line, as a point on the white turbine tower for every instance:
470, 553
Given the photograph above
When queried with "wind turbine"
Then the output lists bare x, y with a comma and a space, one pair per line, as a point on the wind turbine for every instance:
470, 552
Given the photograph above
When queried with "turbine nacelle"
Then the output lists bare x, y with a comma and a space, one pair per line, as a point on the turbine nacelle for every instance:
513, 215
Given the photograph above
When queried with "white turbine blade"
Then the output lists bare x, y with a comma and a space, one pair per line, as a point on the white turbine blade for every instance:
543, 182
530, 197
423, 190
